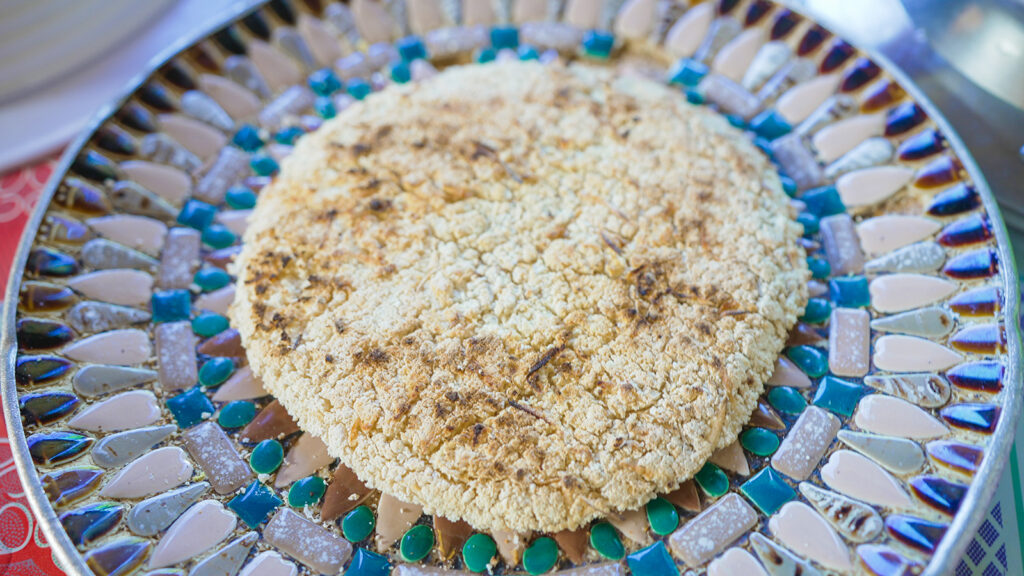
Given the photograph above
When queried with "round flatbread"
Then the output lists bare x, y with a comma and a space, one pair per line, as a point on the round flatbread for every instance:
521, 295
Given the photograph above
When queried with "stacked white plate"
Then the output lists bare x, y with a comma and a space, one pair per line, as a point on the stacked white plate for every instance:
41, 40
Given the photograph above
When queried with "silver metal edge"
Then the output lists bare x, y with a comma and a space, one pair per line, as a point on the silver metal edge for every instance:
950, 550
69, 558
983, 485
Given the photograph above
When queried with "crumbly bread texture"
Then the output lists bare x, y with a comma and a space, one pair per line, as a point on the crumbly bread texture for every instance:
521, 295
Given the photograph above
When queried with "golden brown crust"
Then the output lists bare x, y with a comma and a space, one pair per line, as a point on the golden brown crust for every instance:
521, 295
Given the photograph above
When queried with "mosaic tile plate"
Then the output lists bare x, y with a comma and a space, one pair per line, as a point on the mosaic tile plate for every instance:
150, 447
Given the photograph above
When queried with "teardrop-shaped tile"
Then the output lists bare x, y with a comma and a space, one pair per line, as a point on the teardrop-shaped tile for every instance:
983, 301
57, 447
394, 517
735, 57
922, 535
930, 391
82, 197
858, 74
103, 254
153, 515
201, 107
31, 370
921, 145
872, 185
200, 528
278, 70
632, 524
736, 561
896, 417
977, 264
241, 70
43, 297
898, 455
119, 558
136, 117
169, 183
70, 485
920, 257
635, 19
63, 229
942, 171
237, 100
975, 417
898, 353
269, 563
884, 561
939, 493
322, 42
241, 385
583, 14
787, 373
117, 286
131, 197
803, 530
156, 471
41, 334
97, 379
307, 455
883, 234
49, 262
900, 292
854, 520
46, 407
871, 152
272, 421
956, 456
85, 525
957, 199
122, 347
770, 58
970, 230
904, 118
779, 561
987, 339
95, 166
196, 137
858, 477
114, 450
835, 140
138, 232
983, 376
344, 493
932, 322
228, 560
122, 412
686, 35
162, 148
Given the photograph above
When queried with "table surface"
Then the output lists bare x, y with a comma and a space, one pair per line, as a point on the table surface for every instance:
994, 551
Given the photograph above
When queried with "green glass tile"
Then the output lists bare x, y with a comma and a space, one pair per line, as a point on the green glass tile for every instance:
357, 525
839, 396
605, 539
662, 515
266, 457
306, 492
478, 551
652, 561
215, 371
817, 311
236, 414
819, 267
540, 556
850, 292
768, 491
416, 543
813, 361
786, 400
759, 441
208, 324
712, 480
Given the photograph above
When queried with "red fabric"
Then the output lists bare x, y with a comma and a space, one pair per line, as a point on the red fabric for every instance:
23, 548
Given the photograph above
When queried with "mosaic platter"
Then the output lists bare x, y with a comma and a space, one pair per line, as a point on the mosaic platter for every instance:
148, 446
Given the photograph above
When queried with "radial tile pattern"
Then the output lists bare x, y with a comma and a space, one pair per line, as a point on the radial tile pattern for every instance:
142, 416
